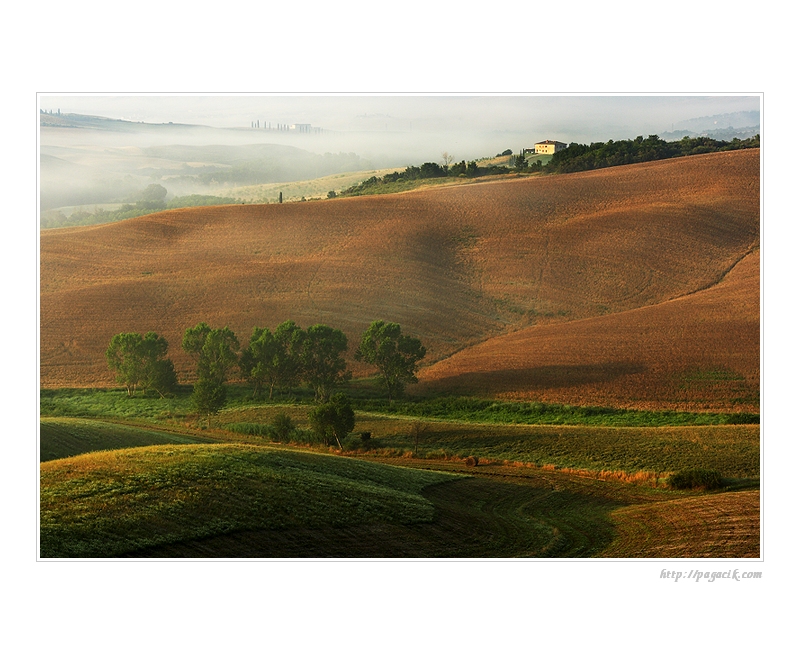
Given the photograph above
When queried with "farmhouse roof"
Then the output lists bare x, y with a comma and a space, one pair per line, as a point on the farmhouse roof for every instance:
549, 142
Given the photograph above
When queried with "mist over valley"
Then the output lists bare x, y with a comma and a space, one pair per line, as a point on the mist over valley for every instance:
256, 149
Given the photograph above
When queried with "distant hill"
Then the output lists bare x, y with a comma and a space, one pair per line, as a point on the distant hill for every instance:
723, 134
456, 266
722, 127
80, 121
737, 120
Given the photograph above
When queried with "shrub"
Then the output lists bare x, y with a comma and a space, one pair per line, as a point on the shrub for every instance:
695, 479
333, 420
248, 428
306, 437
282, 427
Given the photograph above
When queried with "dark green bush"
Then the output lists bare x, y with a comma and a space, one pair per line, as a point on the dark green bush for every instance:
282, 427
695, 479
249, 428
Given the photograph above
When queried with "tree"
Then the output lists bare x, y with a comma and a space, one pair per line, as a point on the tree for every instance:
282, 427
418, 428
208, 396
215, 353
124, 357
323, 366
159, 372
161, 377
272, 359
447, 159
140, 361
333, 420
395, 354
194, 338
152, 198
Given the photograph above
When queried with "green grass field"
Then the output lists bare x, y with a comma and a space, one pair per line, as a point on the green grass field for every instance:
64, 437
145, 477
112, 403
732, 450
582, 438
112, 503
539, 413
115, 403
249, 501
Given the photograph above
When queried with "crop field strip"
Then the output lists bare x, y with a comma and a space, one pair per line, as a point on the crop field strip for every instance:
456, 266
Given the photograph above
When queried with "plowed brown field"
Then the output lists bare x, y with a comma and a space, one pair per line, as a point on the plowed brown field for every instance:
700, 351
724, 525
456, 267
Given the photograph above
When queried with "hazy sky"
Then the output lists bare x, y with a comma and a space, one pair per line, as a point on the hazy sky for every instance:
562, 117
399, 130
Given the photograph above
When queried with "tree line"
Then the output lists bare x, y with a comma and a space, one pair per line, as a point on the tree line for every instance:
147, 201
428, 170
280, 359
577, 157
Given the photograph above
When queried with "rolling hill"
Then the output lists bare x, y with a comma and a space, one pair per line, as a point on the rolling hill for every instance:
187, 493
236, 501
698, 351
636, 285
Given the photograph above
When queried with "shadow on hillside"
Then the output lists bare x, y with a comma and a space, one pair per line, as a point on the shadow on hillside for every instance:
538, 378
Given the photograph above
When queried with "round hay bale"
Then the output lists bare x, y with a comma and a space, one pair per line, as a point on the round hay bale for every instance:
471, 461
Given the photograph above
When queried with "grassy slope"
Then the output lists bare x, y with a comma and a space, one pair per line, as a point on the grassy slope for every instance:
64, 437
112, 503
455, 266
244, 501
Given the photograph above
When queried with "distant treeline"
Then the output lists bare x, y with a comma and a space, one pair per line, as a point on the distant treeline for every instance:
579, 157
150, 201
396, 180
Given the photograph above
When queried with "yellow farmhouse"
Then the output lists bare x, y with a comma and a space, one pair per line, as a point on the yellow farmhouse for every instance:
549, 147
